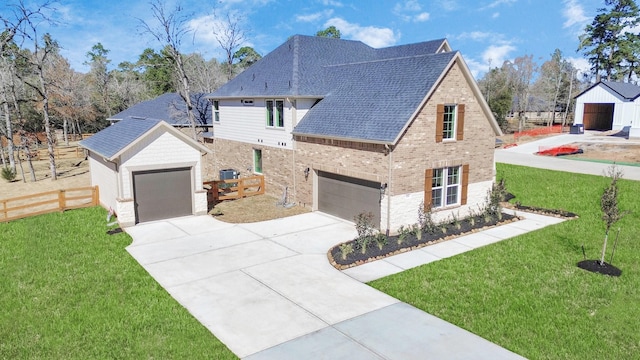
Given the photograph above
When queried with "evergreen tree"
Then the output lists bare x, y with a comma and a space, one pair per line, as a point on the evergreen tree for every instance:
607, 42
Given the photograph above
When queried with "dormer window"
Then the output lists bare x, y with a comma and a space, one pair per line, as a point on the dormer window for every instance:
275, 113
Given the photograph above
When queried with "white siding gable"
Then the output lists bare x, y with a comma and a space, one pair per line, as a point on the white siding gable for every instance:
159, 150
248, 124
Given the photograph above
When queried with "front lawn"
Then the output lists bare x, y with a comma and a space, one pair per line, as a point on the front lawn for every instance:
526, 293
69, 290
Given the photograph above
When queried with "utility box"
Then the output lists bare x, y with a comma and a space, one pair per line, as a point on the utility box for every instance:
228, 174
577, 129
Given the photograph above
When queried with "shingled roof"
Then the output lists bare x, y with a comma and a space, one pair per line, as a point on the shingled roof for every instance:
112, 141
373, 100
625, 91
171, 108
366, 94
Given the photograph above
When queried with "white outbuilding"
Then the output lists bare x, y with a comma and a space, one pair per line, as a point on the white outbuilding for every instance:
609, 105
147, 170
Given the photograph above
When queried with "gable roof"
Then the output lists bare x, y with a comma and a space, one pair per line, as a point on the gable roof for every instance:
171, 108
623, 91
114, 140
296, 68
367, 94
373, 100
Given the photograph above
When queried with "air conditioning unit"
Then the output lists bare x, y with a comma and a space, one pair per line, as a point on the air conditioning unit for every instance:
228, 174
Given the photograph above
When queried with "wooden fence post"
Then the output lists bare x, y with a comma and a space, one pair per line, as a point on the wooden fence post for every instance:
240, 185
61, 200
96, 195
4, 209
214, 190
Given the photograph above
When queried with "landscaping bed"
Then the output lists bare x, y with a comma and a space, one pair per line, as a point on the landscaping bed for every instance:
377, 248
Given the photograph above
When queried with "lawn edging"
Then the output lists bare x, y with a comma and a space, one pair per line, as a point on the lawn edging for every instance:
427, 241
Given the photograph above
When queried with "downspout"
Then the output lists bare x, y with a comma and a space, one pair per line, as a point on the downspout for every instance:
389, 187
293, 149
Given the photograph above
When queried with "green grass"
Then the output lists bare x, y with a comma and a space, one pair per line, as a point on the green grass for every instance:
68, 290
526, 293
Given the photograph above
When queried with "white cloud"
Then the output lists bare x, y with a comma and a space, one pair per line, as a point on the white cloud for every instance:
373, 36
581, 64
203, 29
408, 6
493, 56
331, 3
574, 14
449, 5
477, 35
500, 2
410, 10
495, 15
315, 16
421, 17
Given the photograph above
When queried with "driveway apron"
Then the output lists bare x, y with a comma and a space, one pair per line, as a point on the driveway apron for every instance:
267, 291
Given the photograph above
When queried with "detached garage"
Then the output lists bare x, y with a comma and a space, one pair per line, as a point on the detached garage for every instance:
609, 105
147, 170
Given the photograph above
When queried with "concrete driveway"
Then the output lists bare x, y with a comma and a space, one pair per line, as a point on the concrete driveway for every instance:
524, 154
268, 292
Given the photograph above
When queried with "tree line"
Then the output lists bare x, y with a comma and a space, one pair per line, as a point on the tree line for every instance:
39, 91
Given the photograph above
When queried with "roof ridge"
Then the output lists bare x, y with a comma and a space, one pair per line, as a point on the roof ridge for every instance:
392, 59
295, 72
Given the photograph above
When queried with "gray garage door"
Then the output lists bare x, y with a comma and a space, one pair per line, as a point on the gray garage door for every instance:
162, 194
346, 197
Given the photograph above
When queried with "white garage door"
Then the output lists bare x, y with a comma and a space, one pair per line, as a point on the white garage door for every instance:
346, 197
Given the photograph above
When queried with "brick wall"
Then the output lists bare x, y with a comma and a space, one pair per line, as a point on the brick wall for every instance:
417, 149
276, 164
364, 161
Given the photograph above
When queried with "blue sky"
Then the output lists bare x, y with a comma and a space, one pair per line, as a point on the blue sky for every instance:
487, 32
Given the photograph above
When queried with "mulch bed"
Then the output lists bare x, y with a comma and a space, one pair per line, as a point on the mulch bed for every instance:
536, 210
411, 242
595, 266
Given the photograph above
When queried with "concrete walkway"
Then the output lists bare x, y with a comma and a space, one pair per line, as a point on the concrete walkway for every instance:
524, 155
267, 291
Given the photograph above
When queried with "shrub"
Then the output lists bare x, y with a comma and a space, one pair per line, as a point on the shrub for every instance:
363, 243
417, 231
494, 197
425, 219
365, 229
381, 240
403, 232
345, 250
455, 221
364, 224
8, 174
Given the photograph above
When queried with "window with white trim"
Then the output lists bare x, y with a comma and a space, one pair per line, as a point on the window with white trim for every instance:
257, 161
275, 113
445, 186
216, 110
449, 122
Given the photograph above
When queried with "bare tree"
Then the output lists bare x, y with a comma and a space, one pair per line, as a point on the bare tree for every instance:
5, 83
230, 35
521, 73
27, 30
206, 76
39, 60
13, 25
169, 31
